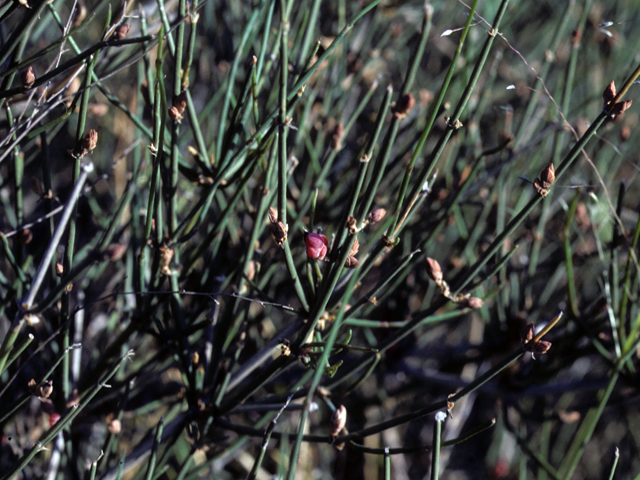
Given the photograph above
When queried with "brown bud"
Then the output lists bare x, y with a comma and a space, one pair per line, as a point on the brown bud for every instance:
404, 105
121, 31
548, 176
27, 78
69, 92
90, 140
376, 215
195, 358
475, 302
527, 339
166, 254
351, 262
336, 137
115, 251
179, 105
620, 107
433, 270
175, 115
279, 232
79, 14
354, 247
42, 390
59, 269
180, 101
114, 426
537, 184
609, 93
273, 215
352, 225
542, 347
526, 335
338, 420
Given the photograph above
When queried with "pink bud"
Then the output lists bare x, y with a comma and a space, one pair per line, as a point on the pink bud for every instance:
338, 420
433, 270
316, 245
53, 419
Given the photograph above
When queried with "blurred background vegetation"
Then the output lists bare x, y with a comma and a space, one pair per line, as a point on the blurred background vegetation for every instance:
178, 330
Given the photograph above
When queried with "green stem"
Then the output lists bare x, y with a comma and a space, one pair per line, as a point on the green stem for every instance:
430, 121
65, 420
626, 288
154, 450
568, 256
435, 453
522, 214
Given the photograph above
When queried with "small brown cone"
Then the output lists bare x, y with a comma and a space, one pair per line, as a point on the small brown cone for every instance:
376, 215
548, 175
404, 105
27, 78
338, 420
433, 270
120, 33
90, 140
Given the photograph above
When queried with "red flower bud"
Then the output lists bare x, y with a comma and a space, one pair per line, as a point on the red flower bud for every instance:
316, 245
53, 419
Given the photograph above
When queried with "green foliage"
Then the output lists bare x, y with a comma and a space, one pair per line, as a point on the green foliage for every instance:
202, 272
